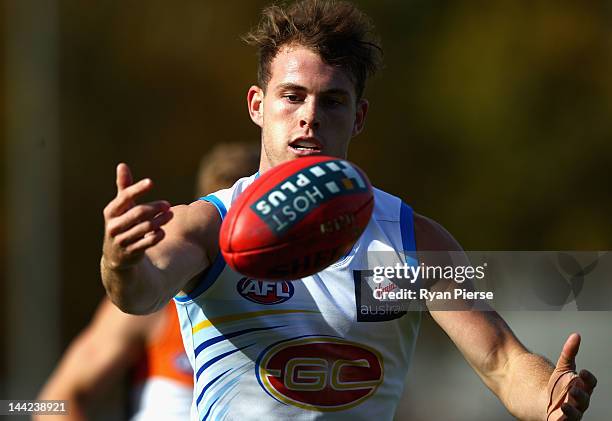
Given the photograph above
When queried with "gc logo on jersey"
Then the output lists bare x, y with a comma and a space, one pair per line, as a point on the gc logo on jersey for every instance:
265, 292
320, 373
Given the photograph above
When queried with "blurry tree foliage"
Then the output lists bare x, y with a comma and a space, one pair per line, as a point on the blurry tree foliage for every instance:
491, 117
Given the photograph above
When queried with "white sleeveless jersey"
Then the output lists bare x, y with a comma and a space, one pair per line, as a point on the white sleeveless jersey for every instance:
307, 349
161, 399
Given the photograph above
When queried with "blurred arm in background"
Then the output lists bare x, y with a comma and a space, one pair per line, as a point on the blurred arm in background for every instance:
98, 358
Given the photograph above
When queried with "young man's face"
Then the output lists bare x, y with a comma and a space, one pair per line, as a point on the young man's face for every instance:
309, 107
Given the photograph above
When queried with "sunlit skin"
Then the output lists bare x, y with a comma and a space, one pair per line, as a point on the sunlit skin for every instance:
308, 107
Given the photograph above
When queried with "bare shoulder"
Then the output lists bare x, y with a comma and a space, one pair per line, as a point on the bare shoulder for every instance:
436, 246
431, 236
194, 217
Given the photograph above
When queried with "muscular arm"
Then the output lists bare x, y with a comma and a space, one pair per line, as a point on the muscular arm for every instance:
519, 378
97, 358
143, 265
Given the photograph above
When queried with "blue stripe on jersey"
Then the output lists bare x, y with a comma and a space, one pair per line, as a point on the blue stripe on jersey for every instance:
217, 358
224, 411
211, 198
210, 275
407, 230
210, 383
222, 392
220, 338
209, 409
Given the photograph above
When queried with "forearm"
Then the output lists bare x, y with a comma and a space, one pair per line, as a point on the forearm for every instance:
64, 385
516, 376
75, 406
524, 391
135, 289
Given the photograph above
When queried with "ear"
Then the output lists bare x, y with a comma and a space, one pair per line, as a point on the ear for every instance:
360, 116
255, 98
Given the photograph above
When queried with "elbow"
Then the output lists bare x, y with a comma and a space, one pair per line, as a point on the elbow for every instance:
508, 379
494, 370
131, 303
498, 366
129, 296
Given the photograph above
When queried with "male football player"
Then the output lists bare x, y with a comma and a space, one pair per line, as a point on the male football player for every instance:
311, 355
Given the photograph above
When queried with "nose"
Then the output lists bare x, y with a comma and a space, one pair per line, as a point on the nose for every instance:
310, 115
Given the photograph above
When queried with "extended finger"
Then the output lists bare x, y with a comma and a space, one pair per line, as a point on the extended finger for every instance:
134, 216
140, 230
149, 240
571, 413
579, 398
567, 359
125, 198
589, 380
124, 176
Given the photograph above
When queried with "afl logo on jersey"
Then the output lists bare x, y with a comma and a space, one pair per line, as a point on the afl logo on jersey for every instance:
320, 373
265, 292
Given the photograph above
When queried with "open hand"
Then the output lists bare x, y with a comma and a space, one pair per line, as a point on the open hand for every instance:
129, 229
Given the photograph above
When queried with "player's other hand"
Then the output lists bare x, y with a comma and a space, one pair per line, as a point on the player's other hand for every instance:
569, 393
130, 228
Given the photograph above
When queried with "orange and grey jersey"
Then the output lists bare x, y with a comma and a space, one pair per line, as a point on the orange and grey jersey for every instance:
307, 349
163, 382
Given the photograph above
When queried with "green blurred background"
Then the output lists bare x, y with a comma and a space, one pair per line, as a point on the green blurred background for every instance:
491, 117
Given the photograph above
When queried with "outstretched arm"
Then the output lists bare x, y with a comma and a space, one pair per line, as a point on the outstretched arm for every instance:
528, 385
152, 251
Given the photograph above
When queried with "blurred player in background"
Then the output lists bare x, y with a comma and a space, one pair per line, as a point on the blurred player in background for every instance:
310, 354
148, 347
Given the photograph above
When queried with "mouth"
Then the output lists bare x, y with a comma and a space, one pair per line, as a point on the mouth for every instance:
306, 146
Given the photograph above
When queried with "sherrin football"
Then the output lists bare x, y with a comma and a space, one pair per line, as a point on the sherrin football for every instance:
297, 218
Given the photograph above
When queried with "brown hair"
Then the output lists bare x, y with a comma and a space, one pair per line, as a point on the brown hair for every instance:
224, 164
336, 30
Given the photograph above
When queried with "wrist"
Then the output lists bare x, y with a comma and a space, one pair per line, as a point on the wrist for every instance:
107, 264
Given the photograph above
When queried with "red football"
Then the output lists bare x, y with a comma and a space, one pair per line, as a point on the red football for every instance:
297, 218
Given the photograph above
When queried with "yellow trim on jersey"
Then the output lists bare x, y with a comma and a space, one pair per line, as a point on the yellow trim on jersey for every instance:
234, 317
